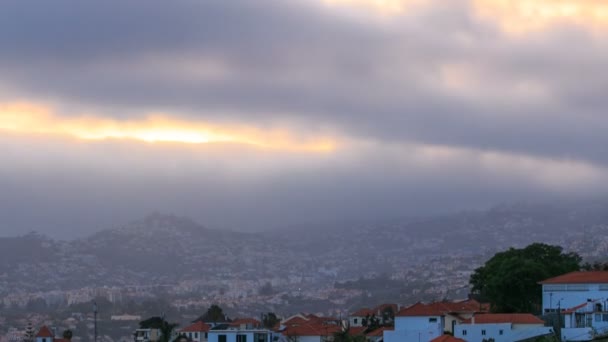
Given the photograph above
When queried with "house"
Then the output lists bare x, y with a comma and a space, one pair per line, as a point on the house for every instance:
501, 328
384, 313
582, 299
426, 322
419, 322
357, 318
240, 335
196, 332
311, 332
46, 335
310, 328
146, 335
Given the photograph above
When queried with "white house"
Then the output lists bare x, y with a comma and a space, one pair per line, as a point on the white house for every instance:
197, 332
237, 335
582, 300
146, 335
501, 328
425, 322
47, 335
419, 322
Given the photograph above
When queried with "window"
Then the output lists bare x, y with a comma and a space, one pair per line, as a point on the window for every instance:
464, 333
598, 317
500, 332
195, 335
221, 338
355, 320
433, 320
241, 338
483, 333
605, 317
206, 335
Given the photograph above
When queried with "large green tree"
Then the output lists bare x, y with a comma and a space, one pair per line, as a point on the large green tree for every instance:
509, 280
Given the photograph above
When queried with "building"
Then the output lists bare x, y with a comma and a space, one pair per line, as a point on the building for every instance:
246, 324
582, 300
238, 335
146, 335
196, 332
425, 322
501, 328
47, 335
385, 314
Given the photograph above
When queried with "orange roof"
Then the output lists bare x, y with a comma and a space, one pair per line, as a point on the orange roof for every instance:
420, 309
45, 332
312, 330
197, 327
447, 338
363, 312
518, 318
61, 340
579, 277
441, 308
356, 331
379, 331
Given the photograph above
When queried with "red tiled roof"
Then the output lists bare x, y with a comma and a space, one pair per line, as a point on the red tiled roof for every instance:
311, 330
363, 312
420, 309
379, 332
447, 338
197, 327
45, 332
582, 277
61, 340
356, 331
505, 318
441, 308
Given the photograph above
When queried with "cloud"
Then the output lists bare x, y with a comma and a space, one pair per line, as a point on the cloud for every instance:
471, 101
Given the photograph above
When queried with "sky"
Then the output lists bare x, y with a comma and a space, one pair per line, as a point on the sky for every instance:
260, 114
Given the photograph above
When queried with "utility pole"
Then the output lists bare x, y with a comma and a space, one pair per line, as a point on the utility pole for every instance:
559, 321
95, 320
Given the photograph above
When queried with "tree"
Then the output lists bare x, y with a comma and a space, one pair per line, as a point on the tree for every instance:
345, 336
509, 280
214, 314
166, 328
270, 320
67, 334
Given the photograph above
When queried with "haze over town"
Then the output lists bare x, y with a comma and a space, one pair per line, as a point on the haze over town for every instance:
317, 160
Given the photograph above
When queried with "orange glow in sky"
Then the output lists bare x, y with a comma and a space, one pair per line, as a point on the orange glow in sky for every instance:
33, 119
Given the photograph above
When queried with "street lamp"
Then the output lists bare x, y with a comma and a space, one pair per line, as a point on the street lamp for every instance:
95, 320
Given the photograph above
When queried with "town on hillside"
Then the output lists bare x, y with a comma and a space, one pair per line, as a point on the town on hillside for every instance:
573, 307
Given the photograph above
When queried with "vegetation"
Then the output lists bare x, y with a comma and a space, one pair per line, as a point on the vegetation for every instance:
67, 334
270, 320
509, 280
345, 336
214, 314
161, 324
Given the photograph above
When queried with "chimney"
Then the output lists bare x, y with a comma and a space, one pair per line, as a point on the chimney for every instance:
473, 319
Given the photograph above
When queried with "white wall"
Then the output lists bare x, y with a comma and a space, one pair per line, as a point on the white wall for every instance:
474, 332
415, 328
231, 335
569, 296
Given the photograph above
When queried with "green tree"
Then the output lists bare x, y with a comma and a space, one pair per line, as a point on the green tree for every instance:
345, 336
509, 280
214, 314
270, 320
67, 334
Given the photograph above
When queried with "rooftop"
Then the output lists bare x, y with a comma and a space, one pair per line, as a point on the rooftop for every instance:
579, 277
518, 318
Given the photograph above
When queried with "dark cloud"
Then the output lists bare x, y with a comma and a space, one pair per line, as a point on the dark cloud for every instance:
437, 76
